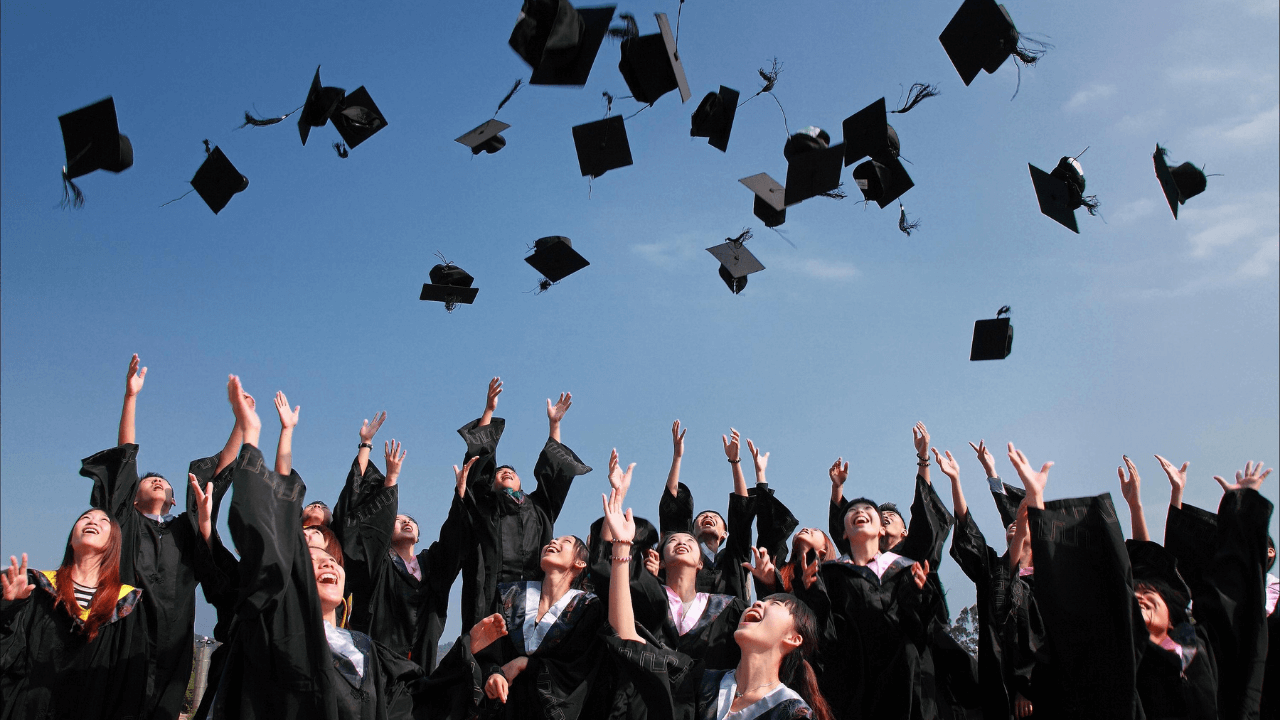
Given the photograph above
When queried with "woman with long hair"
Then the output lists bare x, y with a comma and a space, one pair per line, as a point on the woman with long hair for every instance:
776, 636
70, 642
809, 545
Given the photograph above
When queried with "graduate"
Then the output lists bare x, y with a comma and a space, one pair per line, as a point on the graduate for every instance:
401, 596
71, 643
509, 527
1010, 632
168, 556
289, 657
772, 679
724, 546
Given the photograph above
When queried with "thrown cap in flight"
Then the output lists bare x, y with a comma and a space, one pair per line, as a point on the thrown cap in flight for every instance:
217, 180
559, 41
555, 258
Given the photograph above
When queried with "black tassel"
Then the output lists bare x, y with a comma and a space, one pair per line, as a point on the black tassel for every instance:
543, 286
837, 194
628, 29
743, 236
1004, 310
208, 149
71, 195
509, 95
341, 149
259, 122
771, 77
917, 93
903, 225
179, 197
609, 100
1090, 203
1029, 50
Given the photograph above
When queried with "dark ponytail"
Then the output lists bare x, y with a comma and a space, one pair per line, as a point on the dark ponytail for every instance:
796, 672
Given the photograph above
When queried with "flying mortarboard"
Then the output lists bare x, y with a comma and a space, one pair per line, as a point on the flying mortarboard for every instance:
736, 261
714, 118
813, 168
485, 138
992, 339
357, 118
882, 181
555, 258
769, 203
867, 133
559, 41
1180, 183
91, 136
450, 285
217, 180
321, 102
1061, 192
981, 36
602, 146
651, 65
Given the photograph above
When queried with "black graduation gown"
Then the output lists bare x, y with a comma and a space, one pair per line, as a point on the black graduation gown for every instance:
709, 644
724, 575
49, 670
874, 635
1222, 557
657, 671
1167, 689
279, 664
507, 536
392, 606
1010, 632
1084, 591
169, 560
557, 681
774, 522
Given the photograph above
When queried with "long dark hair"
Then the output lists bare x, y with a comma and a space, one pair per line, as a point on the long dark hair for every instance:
580, 552
103, 604
796, 672
788, 572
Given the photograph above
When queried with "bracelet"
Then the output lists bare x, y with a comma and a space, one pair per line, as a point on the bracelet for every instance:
735, 462
923, 457
365, 445
923, 464
621, 542
615, 558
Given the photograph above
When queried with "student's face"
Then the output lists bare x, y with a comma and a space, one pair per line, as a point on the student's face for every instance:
1154, 612
506, 479
406, 530
809, 539
313, 515
681, 549
151, 490
863, 521
709, 526
559, 555
314, 538
765, 625
331, 580
895, 528
91, 533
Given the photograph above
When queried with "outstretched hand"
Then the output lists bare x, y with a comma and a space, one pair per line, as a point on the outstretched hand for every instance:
1033, 481
555, 413
838, 472
288, 418
243, 407
677, 439
920, 436
204, 501
486, 631
394, 455
491, 399
732, 445
808, 570
985, 457
1250, 478
136, 377
369, 429
618, 480
947, 465
622, 526
460, 476
761, 566
1130, 488
14, 579
761, 460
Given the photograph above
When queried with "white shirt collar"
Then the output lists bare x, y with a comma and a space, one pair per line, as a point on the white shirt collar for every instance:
729, 685
878, 564
340, 643
1273, 593
685, 616
536, 630
710, 554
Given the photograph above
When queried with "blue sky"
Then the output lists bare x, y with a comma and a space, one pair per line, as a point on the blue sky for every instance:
1141, 335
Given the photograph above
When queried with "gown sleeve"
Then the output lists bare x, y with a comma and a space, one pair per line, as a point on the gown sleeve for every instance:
675, 512
969, 550
555, 470
364, 519
930, 524
835, 525
656, 672
482, 443
266, 528
737, 549
115, 479
774, 523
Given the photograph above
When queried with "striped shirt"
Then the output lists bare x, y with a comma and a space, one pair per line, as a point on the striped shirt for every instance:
84, 595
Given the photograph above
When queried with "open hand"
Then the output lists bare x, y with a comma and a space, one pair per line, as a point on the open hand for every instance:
14, 579
622, 526
369, 429
133, 382
491, 399
920, 436
394, 455
618, 480
460, 476
761, 566
204, 501
808, 570
486, 631
1130, 488
677, 439
555, 413
1250, 478
838, 472
732, 447
243, 406
1033, 481
947, 465
985, 457
761, 459
288, 418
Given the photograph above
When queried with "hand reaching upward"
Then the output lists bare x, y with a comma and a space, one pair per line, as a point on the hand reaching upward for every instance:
369, 429
1250, 478
985, 457
14, 580
1177, 480
555, 413
288, 418
136, 377
204, 501
920, 436
618, 480
761, 460
947, 465
677, 439
732, 445
762, 567
1033, 481
394, 455
460, 476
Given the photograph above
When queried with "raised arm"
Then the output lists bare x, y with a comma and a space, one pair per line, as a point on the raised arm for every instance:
234, 440
1033, 481
555, 413
920, 437
733, 451
839, 473
284, 447
677, 452
951, 469
367, 431
491, 401
1131, 490
132, 384
622, 527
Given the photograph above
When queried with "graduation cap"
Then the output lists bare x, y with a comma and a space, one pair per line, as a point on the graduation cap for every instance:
450, 285
992, 339
813, 168
559, 41
485, 138
882, 181
981, 36
714, 117
91, 136
651, 65
357, 118
867, 133
736, 261
555, 258
321, 103
769, 206
1061, 192
217, 180
602, 146
1180, 183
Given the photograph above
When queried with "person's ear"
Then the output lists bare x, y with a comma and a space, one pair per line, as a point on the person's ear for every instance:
794, 639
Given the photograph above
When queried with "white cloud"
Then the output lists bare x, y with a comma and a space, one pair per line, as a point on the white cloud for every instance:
1263, 126
1252, 217
1263, 261
1089, 95
814, 268
1136, 210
